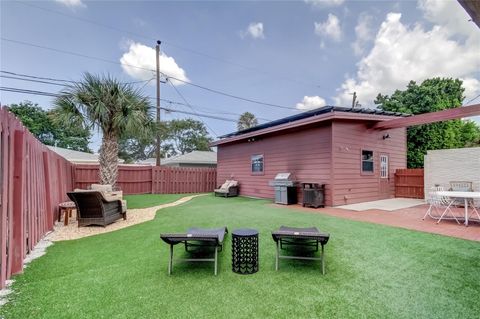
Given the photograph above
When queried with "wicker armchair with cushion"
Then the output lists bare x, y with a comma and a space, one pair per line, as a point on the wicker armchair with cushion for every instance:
94, 209
228, 189
110, 193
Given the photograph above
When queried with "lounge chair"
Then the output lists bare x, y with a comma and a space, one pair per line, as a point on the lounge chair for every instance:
300, 237
94, 209
228, 189
196, 237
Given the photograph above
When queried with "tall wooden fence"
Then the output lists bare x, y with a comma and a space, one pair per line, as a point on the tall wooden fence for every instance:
33, 181
152, 179
409, 183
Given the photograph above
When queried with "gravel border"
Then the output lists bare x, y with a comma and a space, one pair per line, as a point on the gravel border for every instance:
134, 216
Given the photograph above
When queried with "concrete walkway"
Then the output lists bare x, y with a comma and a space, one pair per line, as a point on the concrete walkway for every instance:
408, 218
390, 204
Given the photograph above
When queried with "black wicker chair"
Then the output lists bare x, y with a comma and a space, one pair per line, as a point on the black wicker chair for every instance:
228, 189
93, 209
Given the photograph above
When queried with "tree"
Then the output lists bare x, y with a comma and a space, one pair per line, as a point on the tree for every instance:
184, 136
117, 109
177, 136
430, 96
41, 123
246, 120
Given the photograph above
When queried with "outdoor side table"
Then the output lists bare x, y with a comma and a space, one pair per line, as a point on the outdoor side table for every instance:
67, 208
245, 251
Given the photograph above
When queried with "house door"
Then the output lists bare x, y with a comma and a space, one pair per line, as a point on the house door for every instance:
384, 177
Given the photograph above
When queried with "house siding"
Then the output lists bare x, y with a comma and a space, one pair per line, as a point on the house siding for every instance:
349, 139
329, 154
304, 153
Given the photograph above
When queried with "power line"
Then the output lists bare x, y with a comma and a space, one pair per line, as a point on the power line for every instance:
138, 67
188, 104
123, 31
471, 100
231, 95
36, 77
31, 78
72, 53
53, 79
50, 94
180, 80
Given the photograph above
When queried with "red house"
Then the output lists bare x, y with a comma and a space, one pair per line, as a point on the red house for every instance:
334, 146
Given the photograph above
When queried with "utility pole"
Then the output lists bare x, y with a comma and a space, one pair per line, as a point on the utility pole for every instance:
354, 99
158, 104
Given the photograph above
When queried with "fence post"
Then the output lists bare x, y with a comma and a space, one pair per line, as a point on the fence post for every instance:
18, 247
153, 179
49, 207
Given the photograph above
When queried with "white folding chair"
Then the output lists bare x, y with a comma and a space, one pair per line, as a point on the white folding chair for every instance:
438, 203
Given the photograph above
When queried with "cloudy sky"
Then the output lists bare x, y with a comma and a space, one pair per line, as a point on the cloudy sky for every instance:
292, 55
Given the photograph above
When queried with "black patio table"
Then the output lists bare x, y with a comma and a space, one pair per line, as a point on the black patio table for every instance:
245, 251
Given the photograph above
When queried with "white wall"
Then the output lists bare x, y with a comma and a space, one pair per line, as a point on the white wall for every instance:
458, 164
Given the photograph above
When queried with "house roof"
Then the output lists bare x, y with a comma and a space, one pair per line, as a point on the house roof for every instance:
77, 156
195, 157
309, 117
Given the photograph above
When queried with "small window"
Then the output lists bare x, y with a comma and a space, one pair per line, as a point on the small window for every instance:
257, 164
367, 161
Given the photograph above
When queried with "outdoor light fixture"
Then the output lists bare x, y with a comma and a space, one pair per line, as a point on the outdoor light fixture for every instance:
386, 136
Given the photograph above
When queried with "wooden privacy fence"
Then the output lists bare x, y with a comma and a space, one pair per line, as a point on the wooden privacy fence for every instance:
152, 179
409, 183
33, 181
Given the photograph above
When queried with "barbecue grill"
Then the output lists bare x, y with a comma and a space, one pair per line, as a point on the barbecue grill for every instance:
285, 189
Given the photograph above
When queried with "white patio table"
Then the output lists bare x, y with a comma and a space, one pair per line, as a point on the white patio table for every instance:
465, 195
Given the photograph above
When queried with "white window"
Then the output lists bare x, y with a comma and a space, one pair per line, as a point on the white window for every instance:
257, 164
383, 166
367, 161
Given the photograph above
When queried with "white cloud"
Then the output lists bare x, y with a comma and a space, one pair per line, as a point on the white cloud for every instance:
402, 53
72, 3
364, 33
254, 30
330, 28
311, 102
449, 15
324, 3
143, 57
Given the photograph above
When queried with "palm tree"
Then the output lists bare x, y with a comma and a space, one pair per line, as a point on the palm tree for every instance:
246, 120
102, 103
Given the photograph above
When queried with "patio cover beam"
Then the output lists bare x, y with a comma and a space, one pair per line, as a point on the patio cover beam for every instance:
473, 9
427, 118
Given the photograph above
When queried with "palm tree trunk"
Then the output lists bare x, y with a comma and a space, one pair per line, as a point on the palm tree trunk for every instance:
109, 159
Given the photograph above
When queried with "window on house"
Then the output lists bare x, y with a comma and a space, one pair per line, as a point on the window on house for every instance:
367, 161
257, 164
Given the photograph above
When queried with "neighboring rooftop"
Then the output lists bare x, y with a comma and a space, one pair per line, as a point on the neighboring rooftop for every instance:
77, 157
195, 158
311, 113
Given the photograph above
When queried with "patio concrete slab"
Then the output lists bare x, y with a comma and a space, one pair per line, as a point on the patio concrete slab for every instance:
390, 204
408, 218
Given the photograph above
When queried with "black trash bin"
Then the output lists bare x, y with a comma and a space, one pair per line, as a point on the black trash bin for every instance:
313, 195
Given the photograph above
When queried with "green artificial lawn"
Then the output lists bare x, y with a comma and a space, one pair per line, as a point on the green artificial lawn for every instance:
373, 271
150, 200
